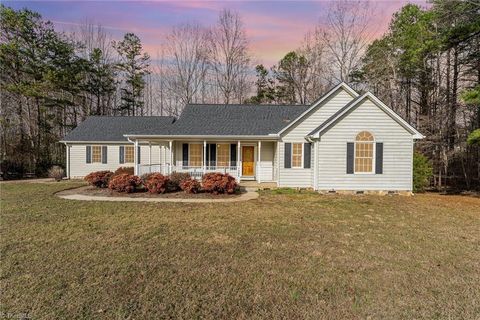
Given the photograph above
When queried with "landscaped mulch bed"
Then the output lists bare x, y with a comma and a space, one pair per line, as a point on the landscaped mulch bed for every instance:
92, 191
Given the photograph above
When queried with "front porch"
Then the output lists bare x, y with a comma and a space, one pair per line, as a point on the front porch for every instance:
245, 160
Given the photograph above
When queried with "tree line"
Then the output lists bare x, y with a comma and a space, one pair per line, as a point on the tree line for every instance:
426, 67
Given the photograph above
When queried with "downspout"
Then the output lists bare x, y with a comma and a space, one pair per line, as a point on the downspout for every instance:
315, 161
67, 160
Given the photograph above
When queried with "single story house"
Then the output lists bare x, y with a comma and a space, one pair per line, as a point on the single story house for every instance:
342, 141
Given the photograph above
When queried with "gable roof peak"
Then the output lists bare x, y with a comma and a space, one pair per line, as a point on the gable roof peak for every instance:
330, 122
328, 94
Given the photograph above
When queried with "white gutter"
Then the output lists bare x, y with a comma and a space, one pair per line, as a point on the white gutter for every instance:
217, 137
91, 141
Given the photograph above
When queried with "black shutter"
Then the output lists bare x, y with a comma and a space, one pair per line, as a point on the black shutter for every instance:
88, 156
379, 158
138, 155
185, 154
121, 154
350, 154
233, 155
207, 158
213, 154
104, 154
288, 155
307, 151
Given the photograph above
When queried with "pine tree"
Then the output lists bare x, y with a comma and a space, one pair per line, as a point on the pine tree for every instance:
134, 66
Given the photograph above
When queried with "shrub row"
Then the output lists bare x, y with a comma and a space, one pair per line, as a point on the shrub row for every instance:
219, 183
123, 181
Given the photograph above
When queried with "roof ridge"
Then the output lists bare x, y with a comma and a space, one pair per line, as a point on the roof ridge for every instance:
246, 105
105, 116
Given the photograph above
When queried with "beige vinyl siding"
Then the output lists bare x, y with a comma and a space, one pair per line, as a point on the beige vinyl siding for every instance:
267, 160
299, 177
293, 177
79, 167
317, 116
397, 152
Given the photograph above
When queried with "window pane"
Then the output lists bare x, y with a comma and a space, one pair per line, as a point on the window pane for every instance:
129, 155
364, 136
96, 154
297, 155
223, 155
195, 159
363, 157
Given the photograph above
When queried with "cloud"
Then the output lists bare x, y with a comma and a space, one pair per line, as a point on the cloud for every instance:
273, 27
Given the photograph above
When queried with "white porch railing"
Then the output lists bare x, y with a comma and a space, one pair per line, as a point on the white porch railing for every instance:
196, 172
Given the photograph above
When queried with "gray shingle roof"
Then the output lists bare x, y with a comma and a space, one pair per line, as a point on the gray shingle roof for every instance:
196, 119
233, 119
105, 128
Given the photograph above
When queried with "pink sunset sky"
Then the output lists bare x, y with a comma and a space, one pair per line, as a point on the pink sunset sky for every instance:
273, 27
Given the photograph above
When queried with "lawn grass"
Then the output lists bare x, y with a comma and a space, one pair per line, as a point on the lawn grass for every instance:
288, 255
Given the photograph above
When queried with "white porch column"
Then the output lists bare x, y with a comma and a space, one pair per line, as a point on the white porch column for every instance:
239, 163
259, 161
149, 157
135, 153
160, 164
67, 165
204, 156
315, 165
278, 162
170, 160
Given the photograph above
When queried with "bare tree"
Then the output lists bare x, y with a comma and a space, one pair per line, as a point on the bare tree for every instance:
228, 54
95, 46
94, 36
186, 51
346, 35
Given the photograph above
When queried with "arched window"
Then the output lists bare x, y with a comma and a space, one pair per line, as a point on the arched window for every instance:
364, 143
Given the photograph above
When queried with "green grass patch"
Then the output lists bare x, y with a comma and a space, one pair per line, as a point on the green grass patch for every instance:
288, 255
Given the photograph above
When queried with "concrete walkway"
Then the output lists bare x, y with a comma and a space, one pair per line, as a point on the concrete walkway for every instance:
250, 194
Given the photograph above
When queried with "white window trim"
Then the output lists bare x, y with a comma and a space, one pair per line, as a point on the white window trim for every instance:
374, 155
301, 156
91, 155
190, 158
125, 154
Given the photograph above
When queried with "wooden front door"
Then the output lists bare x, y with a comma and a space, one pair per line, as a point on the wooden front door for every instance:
248, 160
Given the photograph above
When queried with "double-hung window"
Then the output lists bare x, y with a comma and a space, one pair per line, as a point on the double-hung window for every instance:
364, 143
129, 154
223, 155
297, 151
196, 154
96, 154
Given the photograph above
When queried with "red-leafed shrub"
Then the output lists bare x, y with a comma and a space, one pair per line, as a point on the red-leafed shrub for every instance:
190, 185
128, 170
145, 177
176, 179
157, 183
125, 183
219, 183
99, 179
